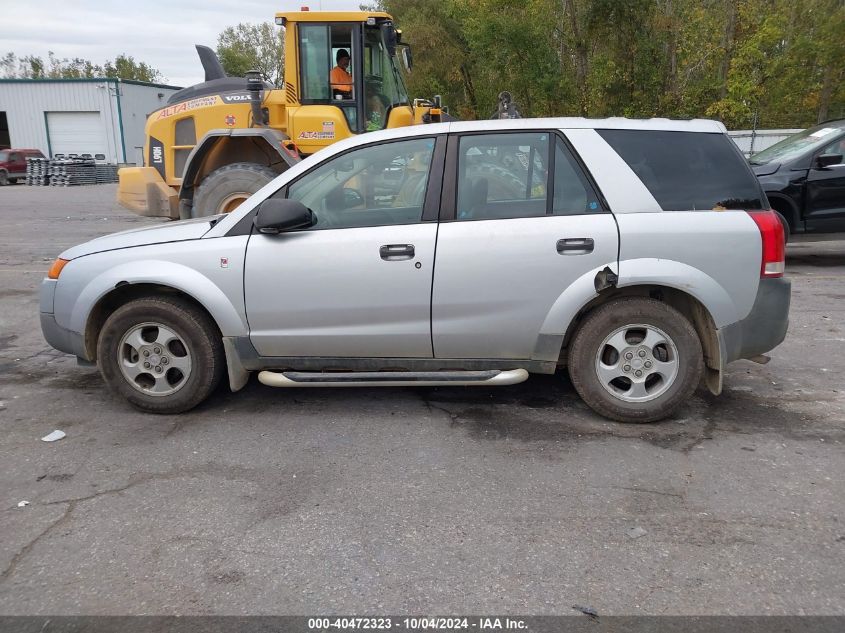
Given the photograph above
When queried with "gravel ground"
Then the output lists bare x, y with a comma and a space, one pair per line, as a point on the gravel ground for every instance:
412, 500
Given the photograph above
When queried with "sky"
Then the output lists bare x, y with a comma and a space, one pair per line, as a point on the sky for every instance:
159, 32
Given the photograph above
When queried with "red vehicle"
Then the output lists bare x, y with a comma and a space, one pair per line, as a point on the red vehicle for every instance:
13, 164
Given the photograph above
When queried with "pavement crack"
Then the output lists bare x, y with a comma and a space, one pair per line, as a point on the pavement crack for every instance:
26, 549
453, 416
231, 473
650, 491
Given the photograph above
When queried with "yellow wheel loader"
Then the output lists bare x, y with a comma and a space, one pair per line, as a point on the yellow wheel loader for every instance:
218, 142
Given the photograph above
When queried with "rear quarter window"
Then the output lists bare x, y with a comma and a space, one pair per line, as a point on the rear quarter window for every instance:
688, 170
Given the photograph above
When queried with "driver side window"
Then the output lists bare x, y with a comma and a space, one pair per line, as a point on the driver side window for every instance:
837, 147
377, 185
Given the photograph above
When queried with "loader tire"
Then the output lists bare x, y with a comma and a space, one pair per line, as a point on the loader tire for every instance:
224, 189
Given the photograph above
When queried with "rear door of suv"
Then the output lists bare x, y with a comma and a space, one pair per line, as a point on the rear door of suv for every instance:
520, 221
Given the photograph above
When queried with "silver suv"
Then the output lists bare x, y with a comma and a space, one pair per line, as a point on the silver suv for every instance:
640, 255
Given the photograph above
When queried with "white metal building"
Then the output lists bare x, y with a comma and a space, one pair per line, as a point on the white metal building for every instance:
79, 116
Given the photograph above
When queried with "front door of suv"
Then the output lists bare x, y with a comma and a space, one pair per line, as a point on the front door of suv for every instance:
358, 282
825, 193
520, 222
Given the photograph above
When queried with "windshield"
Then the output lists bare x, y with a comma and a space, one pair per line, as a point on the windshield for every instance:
4, 156
383, 84
797, 144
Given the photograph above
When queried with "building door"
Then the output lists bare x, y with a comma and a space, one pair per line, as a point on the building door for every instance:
76, 133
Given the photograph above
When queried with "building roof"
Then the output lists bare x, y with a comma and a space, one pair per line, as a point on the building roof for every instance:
90, 80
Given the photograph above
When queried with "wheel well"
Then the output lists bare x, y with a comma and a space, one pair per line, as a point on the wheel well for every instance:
785, 208
123, 293
225, 150
685, 303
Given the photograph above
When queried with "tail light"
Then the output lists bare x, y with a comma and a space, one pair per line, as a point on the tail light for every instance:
771, 232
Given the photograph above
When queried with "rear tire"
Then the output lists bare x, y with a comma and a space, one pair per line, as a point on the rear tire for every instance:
663, 347
163, 354
13, 181
224, 189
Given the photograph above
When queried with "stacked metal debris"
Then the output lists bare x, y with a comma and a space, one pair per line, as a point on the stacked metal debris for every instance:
73, 171
106, 173
38, 171
67, 170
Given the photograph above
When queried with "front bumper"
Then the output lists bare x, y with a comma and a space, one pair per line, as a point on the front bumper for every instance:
63, 340
765, 326
58, 337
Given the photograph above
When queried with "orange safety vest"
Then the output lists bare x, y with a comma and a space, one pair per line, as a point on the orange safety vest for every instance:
340, 79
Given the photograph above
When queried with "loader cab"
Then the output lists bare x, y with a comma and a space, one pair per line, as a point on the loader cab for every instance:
377, 88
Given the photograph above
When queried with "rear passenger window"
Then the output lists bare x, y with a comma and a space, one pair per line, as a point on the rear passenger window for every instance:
573, 193
688, 170
502, 176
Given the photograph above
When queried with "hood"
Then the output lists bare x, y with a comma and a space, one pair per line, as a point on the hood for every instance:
765, 170
159, 234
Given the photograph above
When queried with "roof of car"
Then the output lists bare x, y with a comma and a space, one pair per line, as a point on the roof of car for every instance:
561, 123
612, 123
840, 123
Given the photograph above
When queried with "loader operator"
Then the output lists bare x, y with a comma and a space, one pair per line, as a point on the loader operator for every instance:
340, 78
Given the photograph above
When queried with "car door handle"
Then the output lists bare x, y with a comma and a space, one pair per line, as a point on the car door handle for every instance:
396, 252
575, 246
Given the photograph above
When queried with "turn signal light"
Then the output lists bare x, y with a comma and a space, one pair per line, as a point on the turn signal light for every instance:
56, 268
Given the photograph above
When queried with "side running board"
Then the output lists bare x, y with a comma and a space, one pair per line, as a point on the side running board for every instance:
489, 378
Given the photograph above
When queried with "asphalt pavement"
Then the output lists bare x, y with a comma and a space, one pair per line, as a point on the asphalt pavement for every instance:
412, 500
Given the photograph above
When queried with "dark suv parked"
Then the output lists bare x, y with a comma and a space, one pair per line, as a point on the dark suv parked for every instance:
804, 179
13, 164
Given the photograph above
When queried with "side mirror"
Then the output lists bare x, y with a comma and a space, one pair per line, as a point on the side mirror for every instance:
407, 57
826, 160
278, 216
389, 35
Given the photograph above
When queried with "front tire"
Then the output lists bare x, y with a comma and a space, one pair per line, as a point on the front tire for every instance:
635, 360
4, 179
226, 188
163, 354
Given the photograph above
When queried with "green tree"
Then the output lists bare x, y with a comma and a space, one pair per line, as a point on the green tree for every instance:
34, 67
253, 47
125, 67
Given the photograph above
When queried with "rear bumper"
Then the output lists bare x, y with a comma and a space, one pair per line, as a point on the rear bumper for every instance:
765, 326
142, 190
